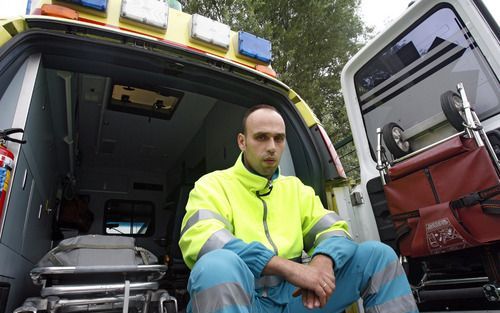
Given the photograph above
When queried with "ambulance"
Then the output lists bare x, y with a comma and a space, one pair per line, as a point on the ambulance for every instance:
423, 101
109, 112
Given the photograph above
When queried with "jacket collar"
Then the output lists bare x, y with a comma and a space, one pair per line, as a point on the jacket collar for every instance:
252, 181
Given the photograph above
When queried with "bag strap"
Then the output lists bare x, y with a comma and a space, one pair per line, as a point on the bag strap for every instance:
144, 254
475, 198
54, 259
491, 206
401, 232
403, 229
406, 215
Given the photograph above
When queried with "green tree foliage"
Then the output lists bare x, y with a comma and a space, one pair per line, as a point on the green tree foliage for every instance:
312, 41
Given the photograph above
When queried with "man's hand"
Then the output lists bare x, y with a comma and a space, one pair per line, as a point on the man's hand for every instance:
315, 281
311, 298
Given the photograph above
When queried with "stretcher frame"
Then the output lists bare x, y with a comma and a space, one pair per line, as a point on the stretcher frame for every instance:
488, 286
139, 285
473, 129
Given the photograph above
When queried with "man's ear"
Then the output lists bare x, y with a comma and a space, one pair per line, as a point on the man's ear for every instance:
241, 141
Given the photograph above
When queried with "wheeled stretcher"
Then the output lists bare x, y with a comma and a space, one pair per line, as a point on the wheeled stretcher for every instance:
103, 287
446, 196
444, 201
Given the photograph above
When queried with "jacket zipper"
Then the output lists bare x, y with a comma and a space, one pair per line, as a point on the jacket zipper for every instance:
266, 228
264, 219
431, 183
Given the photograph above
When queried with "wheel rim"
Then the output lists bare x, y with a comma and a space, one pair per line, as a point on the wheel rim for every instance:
457, 101
459, 105
397, 135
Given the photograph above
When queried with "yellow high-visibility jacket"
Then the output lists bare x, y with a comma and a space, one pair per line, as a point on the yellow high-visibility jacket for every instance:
255, 217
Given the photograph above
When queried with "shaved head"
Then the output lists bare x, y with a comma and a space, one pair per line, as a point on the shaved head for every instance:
263, 139
253, 109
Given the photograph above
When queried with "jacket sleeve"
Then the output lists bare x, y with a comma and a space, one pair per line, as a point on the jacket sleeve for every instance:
207, 226
339, 248
319, 224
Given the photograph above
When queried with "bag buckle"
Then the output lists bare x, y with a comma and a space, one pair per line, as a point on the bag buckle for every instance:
470, 200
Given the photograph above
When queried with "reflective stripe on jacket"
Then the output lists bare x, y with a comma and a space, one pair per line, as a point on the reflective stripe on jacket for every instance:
260, 218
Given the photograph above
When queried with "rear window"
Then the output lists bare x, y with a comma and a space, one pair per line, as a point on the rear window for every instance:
152, 103
403, 82
127, 217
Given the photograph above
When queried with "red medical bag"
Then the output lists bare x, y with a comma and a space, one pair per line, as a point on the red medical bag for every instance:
443, 199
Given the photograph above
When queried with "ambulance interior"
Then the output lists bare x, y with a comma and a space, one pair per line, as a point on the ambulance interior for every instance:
100, 160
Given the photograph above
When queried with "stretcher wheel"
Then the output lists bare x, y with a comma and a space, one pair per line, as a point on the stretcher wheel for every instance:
394, 141
451, 104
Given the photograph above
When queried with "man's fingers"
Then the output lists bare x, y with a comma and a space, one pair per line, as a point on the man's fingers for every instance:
324, 292
321, 295
327, 290
317, 302
309, 299
329, 287
316, 298
305, 299
330, 279
312, 299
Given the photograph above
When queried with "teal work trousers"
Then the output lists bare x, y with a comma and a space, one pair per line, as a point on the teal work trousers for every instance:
221, 282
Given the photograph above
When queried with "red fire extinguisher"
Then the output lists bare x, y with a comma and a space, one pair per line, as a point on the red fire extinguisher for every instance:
6, 162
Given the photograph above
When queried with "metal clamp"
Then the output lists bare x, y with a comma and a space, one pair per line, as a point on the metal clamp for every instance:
382, 165
4, 135
491, 292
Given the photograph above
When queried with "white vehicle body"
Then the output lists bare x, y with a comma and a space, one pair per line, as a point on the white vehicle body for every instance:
125, 108
399, 77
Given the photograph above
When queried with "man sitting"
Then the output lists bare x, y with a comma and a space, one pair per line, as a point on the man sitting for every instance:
245, 229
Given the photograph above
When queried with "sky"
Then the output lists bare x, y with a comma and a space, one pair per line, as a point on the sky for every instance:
12, 7
376, 13
380, 13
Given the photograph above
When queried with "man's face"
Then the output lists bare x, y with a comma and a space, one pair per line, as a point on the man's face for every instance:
263, 142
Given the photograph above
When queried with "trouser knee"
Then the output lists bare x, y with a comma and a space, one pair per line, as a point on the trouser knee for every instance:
386, 286
218, 266
377, 250
220, 282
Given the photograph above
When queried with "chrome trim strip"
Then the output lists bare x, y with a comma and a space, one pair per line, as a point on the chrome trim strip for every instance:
85, 289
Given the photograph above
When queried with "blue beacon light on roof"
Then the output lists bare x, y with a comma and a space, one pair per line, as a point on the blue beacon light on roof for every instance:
254, 47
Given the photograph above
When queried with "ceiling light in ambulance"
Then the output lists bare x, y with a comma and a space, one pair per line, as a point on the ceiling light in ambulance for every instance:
205, 30
254, 47
152, 13
157, 104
